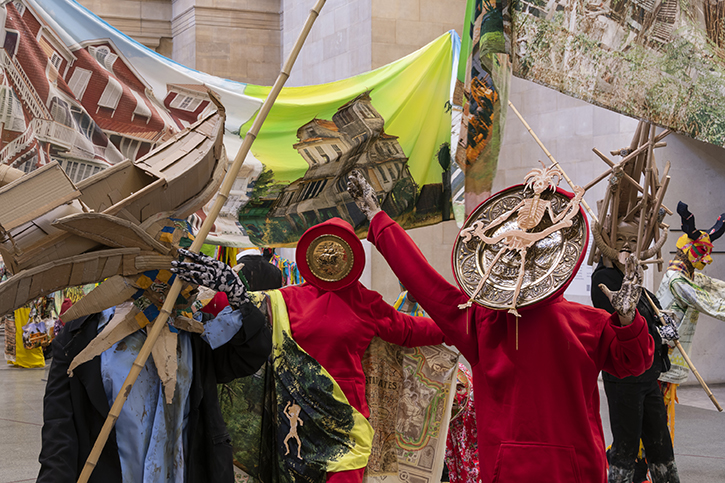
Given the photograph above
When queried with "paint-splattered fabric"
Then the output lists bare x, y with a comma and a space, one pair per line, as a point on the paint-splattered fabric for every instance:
151, 434
462, 443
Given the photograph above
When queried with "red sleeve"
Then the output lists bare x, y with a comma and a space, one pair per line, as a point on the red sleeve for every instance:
406, 330
439, 298
626, 351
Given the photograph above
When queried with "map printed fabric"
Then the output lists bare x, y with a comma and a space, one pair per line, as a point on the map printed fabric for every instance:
410, 394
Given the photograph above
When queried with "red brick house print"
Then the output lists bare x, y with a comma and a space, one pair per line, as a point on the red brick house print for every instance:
85, 107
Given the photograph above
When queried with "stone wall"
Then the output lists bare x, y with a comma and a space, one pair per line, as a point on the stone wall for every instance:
147, 21
234, 39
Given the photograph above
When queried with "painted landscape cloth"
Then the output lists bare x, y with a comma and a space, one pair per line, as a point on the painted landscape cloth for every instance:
482, 84
291, 421
659, 60
77, 91
393, 124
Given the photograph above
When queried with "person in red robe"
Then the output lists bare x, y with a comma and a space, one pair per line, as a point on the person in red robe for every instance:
332, 316
537, 405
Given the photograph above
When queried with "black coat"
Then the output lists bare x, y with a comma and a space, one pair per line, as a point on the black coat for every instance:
75, 408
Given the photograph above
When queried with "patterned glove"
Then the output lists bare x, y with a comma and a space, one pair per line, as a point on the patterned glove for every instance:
668, 331
625, 300
206, 271
363, 194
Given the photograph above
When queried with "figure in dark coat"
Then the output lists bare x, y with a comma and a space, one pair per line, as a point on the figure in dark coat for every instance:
75, 408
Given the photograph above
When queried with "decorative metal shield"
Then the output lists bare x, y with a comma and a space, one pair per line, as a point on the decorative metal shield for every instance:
550, 262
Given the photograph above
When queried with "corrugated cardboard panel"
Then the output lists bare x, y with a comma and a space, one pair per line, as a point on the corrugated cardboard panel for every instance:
184, 163
8, 292
46, 188
111, 267
90, 270
76, 275
109, 230
23, 294
112, 185
129, 265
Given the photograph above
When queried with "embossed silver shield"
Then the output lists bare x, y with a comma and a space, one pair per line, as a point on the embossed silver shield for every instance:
550, 262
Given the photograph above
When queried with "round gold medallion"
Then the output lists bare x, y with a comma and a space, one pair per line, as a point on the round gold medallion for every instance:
330, 258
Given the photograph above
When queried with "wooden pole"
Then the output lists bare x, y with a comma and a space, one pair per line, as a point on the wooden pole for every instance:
551, 158
687, 359
175, 289
648, 162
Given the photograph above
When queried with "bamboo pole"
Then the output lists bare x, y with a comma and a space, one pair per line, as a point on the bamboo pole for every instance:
687, 359
175, 289
551, 158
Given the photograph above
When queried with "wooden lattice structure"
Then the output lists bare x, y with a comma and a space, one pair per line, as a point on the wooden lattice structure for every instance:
635, 193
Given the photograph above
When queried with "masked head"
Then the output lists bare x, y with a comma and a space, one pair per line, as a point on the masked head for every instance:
626, 241
696, 244
697, 251
330, 256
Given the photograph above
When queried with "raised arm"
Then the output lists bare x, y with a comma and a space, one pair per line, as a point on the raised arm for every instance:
239, 335
626, 351
439, 298
404, 329
625, 300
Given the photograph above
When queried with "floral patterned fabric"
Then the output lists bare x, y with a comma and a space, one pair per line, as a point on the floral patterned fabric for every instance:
462, 442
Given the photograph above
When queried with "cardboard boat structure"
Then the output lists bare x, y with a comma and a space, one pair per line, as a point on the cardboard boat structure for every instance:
54, 234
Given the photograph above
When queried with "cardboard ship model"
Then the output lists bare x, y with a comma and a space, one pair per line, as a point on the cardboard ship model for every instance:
54, 234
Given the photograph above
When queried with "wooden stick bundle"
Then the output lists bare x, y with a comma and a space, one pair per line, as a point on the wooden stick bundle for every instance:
175, 289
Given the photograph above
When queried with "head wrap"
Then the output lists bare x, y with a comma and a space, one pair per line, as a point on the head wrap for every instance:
698, 251
330, 256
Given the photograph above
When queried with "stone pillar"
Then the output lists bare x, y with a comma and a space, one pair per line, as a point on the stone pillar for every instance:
147, 21
238, 40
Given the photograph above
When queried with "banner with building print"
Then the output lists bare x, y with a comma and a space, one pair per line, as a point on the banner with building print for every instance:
393, 124
659, 60
77, 91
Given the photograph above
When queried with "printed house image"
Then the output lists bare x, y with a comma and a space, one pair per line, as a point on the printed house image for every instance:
353, 139
85, 107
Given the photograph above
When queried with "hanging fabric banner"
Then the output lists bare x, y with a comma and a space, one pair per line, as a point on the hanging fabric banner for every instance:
659, 60
393, 124
77, 91
482, 85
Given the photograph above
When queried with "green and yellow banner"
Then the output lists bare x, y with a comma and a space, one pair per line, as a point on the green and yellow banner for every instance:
393, 124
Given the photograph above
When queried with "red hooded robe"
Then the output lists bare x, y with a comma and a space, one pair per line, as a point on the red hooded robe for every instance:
537, 407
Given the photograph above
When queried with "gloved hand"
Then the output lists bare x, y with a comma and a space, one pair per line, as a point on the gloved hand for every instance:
668, 331
206, 271
363, 194
625, 300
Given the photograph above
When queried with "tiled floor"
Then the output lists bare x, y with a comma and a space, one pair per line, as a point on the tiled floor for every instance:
699, 438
